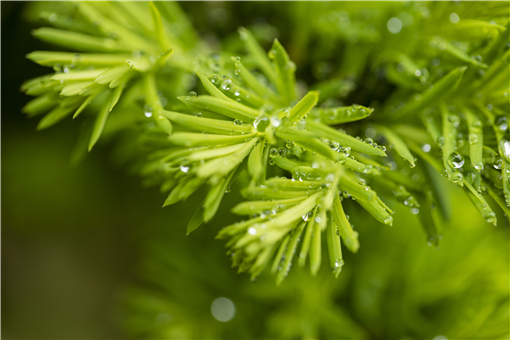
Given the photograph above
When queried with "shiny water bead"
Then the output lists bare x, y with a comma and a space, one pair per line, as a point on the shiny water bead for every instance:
214, 80
478, 166
238, 122
454, 120
491, 217
191, 95
455, 160
504, 146
498, 164
483, 190
473, 138
261, 123
410, 201
226, 84
388, 220
457, 177
335, 145
273, 152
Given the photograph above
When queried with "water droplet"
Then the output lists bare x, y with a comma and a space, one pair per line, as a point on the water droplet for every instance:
483, 190
491, 217
191, 95
454, 120
426, 147
502, 123
456, 160
473, 138
478, 166
184, 169
199, 115
457, 177
504, 145
339, 263
498, 164
238, 122
345, 150
226, 84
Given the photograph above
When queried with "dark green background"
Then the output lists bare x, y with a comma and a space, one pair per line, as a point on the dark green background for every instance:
72, 236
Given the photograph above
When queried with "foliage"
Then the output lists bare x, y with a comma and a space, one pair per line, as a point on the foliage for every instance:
430, 81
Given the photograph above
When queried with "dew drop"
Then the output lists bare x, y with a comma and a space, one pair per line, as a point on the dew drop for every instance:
491, 218
502, 123
498, 164
455, 160
478, 166
457, 177
191, 95
226, 84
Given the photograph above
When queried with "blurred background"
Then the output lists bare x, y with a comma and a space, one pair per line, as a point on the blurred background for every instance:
87, 252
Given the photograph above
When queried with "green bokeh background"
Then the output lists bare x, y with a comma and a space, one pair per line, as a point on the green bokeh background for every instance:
87, 252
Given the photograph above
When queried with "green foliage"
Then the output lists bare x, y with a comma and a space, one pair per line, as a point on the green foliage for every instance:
432, 87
